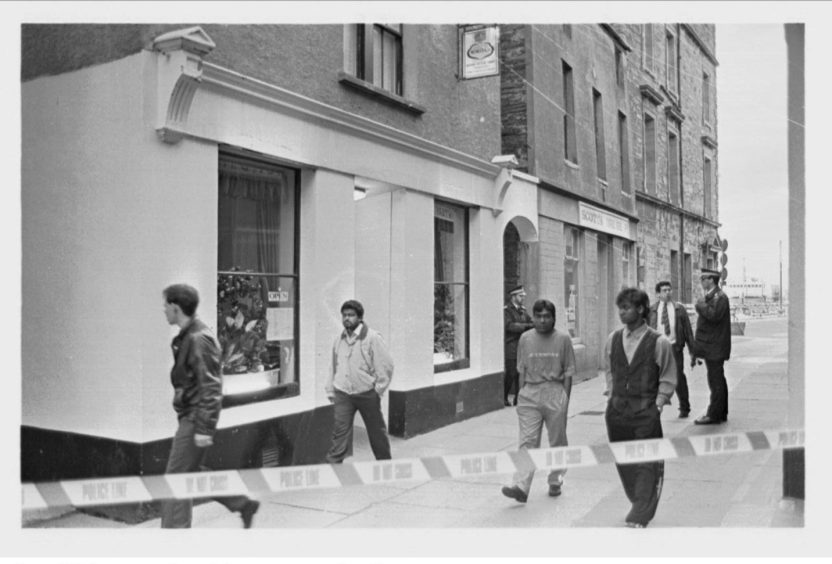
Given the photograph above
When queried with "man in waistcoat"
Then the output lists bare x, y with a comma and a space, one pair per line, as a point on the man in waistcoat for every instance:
641, 378
516, 321
546, 365
713, 343
671, 319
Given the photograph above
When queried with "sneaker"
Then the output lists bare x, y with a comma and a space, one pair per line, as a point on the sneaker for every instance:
515, 492
554, 490
248, 511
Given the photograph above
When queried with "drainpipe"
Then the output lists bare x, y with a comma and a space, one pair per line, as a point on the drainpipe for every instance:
685, 275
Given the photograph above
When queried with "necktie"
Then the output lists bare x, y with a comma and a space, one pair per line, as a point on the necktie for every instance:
665, 320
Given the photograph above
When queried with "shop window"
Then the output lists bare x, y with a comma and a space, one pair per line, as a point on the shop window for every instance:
378, 58
626, 256
450, 289
257, 281
571, 283
570, 144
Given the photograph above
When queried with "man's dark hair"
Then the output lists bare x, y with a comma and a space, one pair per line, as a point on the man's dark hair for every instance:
662, 284
635, 297
355, 306
186, 297
544, 305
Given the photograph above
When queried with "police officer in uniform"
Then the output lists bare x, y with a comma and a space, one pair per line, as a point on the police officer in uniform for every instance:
517, 322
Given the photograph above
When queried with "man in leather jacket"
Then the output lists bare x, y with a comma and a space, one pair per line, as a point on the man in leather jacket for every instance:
197, 385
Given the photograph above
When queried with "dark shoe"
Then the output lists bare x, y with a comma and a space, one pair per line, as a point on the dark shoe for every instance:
514, 403
554, 490
706, 420
508, 403
248, 511
684, 414
515, 492
634, 525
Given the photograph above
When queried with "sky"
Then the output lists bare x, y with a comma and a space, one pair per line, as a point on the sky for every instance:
752, 137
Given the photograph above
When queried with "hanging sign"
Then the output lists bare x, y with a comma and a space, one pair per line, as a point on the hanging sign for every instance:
479, 51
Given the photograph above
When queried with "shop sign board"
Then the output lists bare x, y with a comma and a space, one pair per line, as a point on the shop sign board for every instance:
479, 51
604, 221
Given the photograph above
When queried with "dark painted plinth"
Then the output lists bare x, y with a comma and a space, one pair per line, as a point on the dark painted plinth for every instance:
414, 412
48, 455
794, 473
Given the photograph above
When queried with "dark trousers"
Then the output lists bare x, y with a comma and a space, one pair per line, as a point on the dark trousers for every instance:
718, 408
681, 380
511, 380
184, 457
368, 404
643, 481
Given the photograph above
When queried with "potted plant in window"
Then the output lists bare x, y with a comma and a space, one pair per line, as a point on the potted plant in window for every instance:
242, 301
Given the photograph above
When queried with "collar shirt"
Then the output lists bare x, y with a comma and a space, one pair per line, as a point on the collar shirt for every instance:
671, 315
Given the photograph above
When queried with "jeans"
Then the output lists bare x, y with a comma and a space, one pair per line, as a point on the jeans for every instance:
184, 457
368, 404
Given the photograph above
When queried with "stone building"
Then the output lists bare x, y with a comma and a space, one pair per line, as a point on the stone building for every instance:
618, 123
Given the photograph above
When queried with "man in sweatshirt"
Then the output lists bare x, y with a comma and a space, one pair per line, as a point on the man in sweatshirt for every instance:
546, 366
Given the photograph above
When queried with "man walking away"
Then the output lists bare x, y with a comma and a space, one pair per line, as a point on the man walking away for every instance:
517, 322
361, 372
641, 377
197, 384
671, 319
546, 367
713, 343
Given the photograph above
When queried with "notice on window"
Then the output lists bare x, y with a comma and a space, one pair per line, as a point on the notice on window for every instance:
281, 324
479, 54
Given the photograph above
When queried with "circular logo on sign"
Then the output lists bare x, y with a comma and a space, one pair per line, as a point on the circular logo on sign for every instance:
480, 50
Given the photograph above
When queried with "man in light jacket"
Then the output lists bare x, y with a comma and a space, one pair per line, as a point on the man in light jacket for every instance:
361, 373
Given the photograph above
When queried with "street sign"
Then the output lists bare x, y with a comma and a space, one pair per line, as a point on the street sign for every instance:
724, 245
723, 259
724, 274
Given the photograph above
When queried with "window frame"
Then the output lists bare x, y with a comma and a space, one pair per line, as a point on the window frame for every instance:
706, 98
648, 55
570, 140
649, 117
600, 138
671, 56
624, 152
673, 165
291, 389
465, 362
707, 183
365, 55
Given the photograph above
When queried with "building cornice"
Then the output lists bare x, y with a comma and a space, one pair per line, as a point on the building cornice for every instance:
675, 209
701, 44
709, 141
580, 198
675, 113
651, 94
616, 37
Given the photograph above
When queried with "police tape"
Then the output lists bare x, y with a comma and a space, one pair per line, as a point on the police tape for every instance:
134, 489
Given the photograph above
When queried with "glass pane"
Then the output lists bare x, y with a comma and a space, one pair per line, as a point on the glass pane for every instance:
449, 323
377, 56
449, 242
390, 51
570, 272
256, 218
256, 330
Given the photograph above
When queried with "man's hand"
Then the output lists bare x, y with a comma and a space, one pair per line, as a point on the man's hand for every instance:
203, 441
659, 406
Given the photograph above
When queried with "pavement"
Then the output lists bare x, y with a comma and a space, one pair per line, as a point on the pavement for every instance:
736, 490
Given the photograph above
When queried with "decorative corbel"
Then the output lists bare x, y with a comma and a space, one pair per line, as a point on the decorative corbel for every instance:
179, 73
503, 180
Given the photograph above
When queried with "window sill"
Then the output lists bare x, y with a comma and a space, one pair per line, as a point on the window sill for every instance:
379, 93
570, 164
450, 366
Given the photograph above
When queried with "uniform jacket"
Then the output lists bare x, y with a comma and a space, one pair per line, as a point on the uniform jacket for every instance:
684, 332
517, 322
713, 327
196, 378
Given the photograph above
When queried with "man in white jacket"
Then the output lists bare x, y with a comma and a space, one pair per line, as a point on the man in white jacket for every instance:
361, 372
